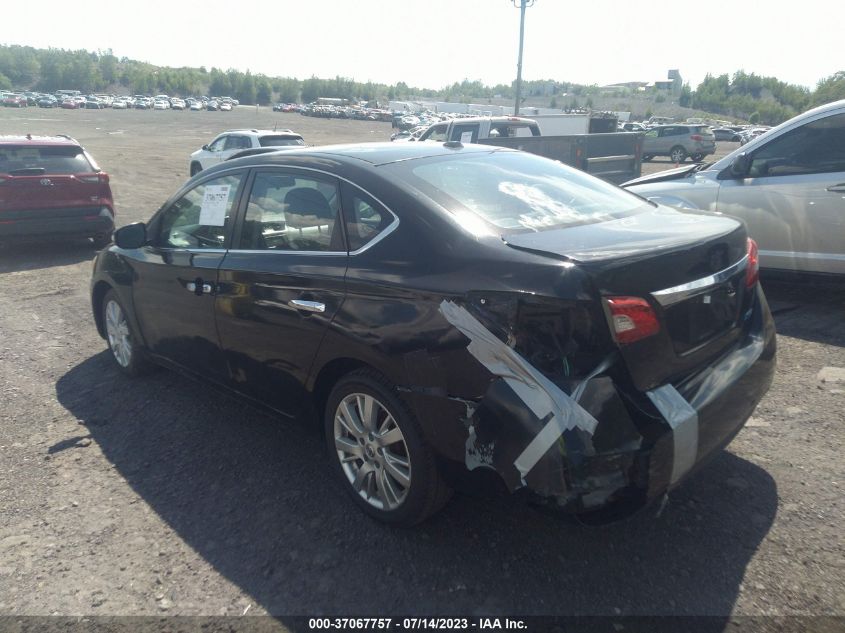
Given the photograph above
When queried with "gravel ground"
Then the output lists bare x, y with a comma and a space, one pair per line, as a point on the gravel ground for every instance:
163, 496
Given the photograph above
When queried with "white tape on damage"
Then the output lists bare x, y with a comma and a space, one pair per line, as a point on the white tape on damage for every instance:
684, 422
540, 394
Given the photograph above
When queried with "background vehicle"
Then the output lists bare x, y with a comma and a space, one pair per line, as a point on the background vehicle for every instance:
234, 141
726, 134
14, 100
788, 186
678, 142
614, 157
50, 186
304, 278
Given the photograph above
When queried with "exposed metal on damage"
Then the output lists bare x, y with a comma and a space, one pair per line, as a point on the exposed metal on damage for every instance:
544, 398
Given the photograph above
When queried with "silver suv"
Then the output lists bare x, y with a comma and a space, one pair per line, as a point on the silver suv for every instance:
677, 141
787, 185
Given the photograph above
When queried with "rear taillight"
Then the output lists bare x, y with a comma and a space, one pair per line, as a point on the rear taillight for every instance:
632, 319
100, 178
752, 271
697, 137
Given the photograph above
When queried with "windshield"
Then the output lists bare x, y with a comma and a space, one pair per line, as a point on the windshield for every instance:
517, 192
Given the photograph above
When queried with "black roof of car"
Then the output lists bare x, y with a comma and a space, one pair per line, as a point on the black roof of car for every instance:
374, 153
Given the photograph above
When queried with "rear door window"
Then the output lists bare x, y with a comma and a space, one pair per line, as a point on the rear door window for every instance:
58, 159
292, 212
364, 217
236, 142
466, 133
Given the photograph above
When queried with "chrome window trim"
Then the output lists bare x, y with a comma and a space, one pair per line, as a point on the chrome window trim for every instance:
675, 294
804, 255
387, 230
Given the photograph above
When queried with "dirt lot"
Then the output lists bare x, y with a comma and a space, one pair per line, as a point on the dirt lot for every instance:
163, 496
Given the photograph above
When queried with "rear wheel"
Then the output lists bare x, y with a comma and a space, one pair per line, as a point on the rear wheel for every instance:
697, 158
122, 341
377, 450
678, 154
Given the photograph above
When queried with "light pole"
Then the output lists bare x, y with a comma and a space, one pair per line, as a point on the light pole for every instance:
521, 5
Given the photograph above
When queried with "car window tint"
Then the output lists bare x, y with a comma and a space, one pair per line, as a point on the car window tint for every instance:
438, 133
218, 145
237, 142
814, 148
365, 219
465, 133
199, 219
43, 160
291, 213
280, 141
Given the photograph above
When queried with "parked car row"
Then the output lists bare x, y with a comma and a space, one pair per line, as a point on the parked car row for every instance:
72, 100
344, 112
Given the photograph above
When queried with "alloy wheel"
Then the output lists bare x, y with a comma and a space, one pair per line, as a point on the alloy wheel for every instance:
372, 451
117, 329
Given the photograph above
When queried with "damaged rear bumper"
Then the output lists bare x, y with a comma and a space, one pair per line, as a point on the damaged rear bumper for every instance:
600, 446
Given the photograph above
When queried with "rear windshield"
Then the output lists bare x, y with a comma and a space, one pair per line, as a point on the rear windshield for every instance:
60, 159
518, 192
280, 141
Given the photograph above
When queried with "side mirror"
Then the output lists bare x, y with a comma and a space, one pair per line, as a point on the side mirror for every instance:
740, 166
131, 236
205, 147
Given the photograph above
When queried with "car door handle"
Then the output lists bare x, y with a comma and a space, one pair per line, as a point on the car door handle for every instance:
307, 306
837, 188
199, 288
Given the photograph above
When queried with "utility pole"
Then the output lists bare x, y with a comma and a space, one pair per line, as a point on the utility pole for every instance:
521, 5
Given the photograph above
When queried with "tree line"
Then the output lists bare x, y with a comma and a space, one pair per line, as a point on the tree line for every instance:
742, 95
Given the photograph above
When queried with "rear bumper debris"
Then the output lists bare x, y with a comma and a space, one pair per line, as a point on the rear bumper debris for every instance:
598, 446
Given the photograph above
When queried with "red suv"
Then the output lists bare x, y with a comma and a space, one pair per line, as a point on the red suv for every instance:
49, 187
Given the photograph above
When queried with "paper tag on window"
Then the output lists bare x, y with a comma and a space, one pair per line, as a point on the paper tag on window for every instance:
215, 202
466, 137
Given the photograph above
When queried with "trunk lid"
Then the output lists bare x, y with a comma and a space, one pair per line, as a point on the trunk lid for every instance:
23, 193
689, 267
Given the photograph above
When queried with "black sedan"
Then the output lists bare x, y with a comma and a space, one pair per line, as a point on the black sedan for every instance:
452, 312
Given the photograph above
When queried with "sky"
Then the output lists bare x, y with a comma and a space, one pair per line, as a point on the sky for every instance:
434, 43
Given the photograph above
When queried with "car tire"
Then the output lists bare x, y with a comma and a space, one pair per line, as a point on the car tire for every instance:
102, 240
195, 169
697, 158
397, 482
122, 341
678, 154
647, 157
